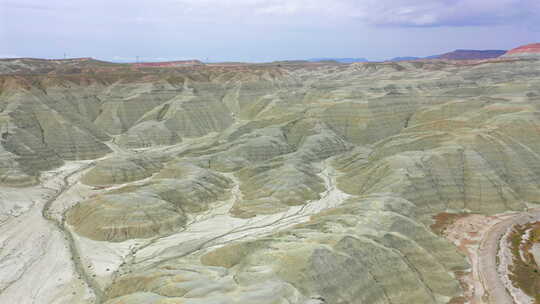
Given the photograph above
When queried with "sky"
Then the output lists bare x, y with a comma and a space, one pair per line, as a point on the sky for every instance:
261, 30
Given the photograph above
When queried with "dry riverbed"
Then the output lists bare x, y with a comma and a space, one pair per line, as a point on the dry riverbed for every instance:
43, 261
37, 264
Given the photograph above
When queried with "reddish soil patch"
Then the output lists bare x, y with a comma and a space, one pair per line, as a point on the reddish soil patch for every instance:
444, 220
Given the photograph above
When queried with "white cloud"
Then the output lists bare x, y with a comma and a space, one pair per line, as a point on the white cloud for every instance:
378, 12
374, 12
447, 12
256, 29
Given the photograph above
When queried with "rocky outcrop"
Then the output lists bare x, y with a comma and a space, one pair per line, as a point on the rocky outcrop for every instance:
159, 206
322, 259
120, 170
148, 134
122, 215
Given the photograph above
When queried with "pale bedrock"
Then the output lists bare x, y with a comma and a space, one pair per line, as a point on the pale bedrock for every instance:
189, 187
272, 187
28, 154
71, 142
290, 179
191, 116
183, 283
399, 259
117, 217
190, 196
389, 240
407, 140
120, 216
477, 155
124, 104
446, 111
183, 116
249, 98
147, 134
458, 177
248, 149
79, 102
515, 165
367, 121
521, 128
157, 207
350, 120
12, 174
185, 169
320, 146
313, 140
77, 105
70, 136
246, 127
121, 169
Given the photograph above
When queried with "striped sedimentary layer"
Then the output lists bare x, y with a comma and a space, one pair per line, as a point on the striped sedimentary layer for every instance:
392, 143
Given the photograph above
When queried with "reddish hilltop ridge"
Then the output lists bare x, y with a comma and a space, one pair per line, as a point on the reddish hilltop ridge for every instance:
532, 49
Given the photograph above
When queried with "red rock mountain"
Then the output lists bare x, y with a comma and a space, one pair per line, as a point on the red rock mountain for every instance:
525, 50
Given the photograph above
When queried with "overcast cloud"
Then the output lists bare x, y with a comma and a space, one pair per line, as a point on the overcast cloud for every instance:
260, 30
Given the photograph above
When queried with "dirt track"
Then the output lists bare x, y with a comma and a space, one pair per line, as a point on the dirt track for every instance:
496, 291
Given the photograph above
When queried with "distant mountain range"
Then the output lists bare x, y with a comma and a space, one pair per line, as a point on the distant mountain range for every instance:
406, 58
472, 54
340, 60
168, 63
459, 55
454, 55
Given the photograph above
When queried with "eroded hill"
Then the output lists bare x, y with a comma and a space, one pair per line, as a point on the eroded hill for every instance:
285, 183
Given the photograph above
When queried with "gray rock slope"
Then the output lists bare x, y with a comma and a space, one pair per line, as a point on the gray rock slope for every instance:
404, 142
